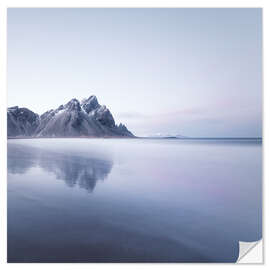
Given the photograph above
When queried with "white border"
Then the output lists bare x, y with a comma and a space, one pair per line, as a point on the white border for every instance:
265, 4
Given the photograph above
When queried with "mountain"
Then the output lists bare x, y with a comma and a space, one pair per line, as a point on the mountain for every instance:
166, 136
75, 119
21, 121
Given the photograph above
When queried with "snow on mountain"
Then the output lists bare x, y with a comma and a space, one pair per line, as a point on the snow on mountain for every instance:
74, 119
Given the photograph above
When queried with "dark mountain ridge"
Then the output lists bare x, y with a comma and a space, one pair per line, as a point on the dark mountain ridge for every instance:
74, 119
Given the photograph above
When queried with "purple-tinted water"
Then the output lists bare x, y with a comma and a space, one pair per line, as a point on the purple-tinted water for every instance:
132, 200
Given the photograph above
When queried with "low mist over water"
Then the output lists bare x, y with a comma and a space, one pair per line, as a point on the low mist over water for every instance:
132, 200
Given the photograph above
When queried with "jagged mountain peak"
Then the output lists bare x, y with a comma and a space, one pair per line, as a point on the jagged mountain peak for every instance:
73, 105
21, 121
74, 119
104, 116
14, 108
61, 107
123, 127
90, 104
91, 98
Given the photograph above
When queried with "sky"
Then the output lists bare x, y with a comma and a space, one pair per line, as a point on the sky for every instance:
194, 72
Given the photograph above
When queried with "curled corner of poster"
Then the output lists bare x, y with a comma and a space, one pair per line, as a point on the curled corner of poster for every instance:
250, 252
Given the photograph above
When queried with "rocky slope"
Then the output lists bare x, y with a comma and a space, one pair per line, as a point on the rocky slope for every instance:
21, 122
74, 119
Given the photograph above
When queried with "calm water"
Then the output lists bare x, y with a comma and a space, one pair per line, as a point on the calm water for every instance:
132, 200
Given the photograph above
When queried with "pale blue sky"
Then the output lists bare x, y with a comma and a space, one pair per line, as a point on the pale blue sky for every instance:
196, 72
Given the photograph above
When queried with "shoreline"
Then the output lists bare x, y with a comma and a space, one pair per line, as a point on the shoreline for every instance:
135, 137
82, 137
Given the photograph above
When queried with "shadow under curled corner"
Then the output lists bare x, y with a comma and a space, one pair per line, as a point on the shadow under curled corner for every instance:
250, 252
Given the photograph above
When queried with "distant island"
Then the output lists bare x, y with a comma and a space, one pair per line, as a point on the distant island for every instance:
75, 119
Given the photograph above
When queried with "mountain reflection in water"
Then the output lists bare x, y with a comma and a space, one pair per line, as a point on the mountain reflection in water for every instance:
74, 170
163, 200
